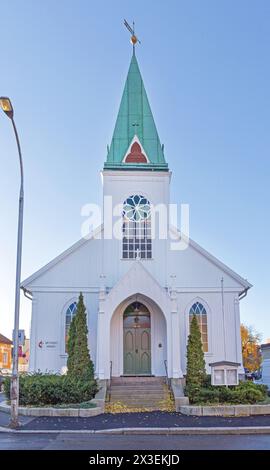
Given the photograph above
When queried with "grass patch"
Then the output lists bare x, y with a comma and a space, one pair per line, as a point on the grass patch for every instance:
85, 405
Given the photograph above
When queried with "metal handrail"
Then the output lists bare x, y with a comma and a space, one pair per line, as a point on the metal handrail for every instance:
166, 370
168, 380
110, 384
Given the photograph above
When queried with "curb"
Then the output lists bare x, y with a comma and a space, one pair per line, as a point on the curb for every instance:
165, 431
225, 410
2, 429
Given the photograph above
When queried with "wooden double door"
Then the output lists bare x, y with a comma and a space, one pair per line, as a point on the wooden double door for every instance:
137, 341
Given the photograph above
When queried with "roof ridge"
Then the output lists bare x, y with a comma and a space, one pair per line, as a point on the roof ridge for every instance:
4, 339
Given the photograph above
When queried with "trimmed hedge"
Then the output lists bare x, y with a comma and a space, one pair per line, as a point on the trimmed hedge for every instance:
51, 389
244, 393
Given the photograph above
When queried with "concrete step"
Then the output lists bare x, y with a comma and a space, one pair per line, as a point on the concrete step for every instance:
137, 384
140, 402
124, 395
144, 408
136, 380
137, 389
139, 392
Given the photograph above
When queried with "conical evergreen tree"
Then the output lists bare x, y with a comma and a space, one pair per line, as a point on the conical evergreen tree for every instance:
195, 358
79, 362
71, 344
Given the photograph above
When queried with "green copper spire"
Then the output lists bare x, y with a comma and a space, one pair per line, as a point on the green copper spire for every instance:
135, 122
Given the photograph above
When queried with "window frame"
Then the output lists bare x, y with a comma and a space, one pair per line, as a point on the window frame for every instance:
5, 357
65, 321
204, 303
141, 231
63, 352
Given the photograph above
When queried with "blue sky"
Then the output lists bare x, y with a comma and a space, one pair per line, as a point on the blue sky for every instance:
206, 70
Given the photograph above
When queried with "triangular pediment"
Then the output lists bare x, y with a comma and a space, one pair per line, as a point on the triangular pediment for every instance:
138, 280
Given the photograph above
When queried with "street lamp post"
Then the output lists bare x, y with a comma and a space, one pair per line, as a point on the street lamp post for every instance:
6, 106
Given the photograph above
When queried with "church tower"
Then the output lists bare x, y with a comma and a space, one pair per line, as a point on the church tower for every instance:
135, 178
135, 143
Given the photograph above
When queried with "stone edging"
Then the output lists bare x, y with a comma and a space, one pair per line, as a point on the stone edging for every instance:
146, 430
225, 410
99, 401
50, 411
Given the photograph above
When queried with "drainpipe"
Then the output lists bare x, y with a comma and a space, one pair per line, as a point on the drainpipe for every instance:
243, 294
27, 293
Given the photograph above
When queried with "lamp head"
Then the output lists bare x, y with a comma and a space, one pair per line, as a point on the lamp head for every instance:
6, 106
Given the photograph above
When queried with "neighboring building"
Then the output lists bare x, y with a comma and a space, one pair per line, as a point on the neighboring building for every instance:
139, 292
24, 353
265, 349
5, 352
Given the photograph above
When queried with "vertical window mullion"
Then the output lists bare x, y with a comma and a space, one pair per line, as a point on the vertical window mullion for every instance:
137, 228
201, 316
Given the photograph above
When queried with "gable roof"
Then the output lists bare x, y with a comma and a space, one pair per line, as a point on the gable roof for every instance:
224, 363
60, 257
135, 118
223, 267
4, 339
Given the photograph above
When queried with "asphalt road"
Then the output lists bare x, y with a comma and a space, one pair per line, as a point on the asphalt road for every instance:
63, 441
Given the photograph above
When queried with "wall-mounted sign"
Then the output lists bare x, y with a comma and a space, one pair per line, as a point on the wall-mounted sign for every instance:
47, 344
51, 344
21, 337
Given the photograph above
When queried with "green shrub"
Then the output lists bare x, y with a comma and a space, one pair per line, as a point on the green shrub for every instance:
207, 395
192, 391
206, 381
244, 393
225, 394
6, 385
52, 389
248, 392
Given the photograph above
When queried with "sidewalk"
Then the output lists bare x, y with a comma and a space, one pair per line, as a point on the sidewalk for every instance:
141, 421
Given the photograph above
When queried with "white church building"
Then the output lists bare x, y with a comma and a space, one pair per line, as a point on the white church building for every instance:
140, 291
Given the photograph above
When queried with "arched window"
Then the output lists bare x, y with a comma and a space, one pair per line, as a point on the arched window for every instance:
137, 238
71, 311
136, 315
199, 311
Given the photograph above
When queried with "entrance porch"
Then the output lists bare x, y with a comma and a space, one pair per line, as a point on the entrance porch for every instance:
138, 331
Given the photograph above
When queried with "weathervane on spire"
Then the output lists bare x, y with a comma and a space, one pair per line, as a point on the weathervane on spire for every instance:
133, 38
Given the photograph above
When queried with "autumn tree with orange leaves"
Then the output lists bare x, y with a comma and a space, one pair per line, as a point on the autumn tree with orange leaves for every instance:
251, 348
